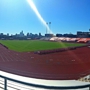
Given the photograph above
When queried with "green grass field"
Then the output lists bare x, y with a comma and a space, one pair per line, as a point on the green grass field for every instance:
34, 45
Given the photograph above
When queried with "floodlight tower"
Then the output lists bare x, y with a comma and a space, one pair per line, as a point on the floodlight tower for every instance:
46, 28
49, 26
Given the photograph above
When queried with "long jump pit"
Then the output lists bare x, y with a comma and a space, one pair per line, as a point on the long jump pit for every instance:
59, 70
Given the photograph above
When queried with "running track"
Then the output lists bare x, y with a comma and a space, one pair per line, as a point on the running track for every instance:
67, 65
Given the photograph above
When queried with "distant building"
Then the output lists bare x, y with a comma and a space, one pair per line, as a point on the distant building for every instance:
49, 35
7, 34
1, 34
66, 35
40, 35
58, 35
83, 34
21, 34
28, 35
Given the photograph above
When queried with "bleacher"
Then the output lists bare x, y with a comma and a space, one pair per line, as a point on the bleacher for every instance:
84, 40
66, 39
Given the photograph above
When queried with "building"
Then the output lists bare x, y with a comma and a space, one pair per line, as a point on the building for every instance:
21, 34
49, 35
83, 34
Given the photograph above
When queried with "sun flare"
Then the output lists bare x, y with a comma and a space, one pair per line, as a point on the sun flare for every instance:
32, 5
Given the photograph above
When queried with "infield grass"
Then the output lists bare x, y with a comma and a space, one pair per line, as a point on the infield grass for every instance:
34, 45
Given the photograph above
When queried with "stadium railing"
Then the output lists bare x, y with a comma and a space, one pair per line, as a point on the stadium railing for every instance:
36, 87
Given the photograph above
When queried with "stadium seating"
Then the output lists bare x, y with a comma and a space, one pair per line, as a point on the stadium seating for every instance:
84, 40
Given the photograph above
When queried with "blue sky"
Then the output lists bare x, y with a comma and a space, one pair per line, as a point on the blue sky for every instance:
66, 16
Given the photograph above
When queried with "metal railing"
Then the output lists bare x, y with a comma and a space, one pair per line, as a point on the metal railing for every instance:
7, 84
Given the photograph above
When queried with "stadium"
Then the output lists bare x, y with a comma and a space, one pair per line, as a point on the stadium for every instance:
50, 63
47, 54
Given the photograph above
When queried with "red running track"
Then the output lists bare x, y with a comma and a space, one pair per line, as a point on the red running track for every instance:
67, 65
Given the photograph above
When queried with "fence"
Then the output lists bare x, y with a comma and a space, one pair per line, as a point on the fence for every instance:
12, 84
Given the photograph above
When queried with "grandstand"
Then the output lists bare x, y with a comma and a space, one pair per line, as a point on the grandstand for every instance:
68, 39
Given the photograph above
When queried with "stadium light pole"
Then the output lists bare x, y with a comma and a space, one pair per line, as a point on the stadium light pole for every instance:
49, 26
46, 28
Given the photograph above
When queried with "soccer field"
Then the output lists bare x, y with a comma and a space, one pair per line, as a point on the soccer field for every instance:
34, 45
